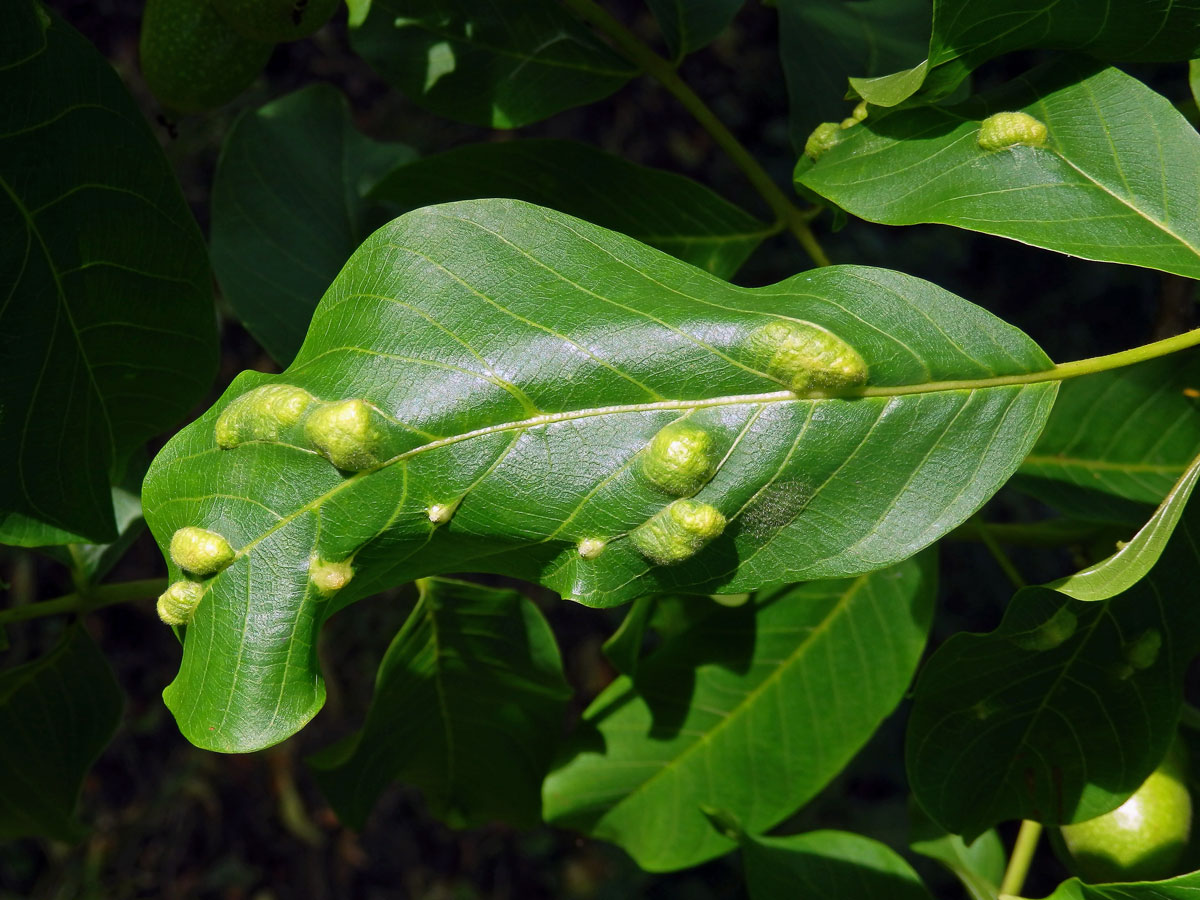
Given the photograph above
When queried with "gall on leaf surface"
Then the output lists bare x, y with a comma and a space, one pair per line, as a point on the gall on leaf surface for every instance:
516, 363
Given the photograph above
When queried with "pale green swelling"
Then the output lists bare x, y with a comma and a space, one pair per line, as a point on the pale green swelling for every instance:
177, 604
200, 551
679, 459
805, 356
344, 434
261, 414
677, 532
1007, 129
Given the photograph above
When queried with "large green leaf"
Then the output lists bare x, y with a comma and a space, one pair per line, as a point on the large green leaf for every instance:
734, 714
1114, 182
1183, 887
667, 211
967, 33
830, 864
1063, 710
106, 311
687, 25
467, 703
512, 364
288, 209
502, 65
1117, 441
824, 42
56, 714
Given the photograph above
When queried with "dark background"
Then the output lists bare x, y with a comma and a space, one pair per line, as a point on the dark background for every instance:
171, 821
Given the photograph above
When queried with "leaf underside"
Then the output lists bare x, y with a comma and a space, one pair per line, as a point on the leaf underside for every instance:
518, 362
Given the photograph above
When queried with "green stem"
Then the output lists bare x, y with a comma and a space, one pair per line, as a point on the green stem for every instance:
96, 598
998, 554
1056, 373
662, 71
1022, 856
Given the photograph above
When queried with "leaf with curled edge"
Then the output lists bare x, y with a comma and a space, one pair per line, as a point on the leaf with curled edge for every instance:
507, 366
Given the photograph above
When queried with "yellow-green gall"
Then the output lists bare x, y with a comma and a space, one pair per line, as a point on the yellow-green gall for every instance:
178, 603
677, 532
261, 414
1051, 633
860, 111
345, 434
441, 513
329, 577
590, 548
804, 356
823, 138
200, 551
679, 459
1007, 129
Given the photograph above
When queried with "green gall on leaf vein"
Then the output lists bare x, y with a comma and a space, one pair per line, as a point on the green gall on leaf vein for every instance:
261, 414
1010, 129
329, 577
677, 532
177, 604
200, 552
679, 459
806, 357
345, 434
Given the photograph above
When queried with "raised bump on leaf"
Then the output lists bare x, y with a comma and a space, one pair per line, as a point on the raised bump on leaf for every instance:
824, 137
590, 548
1140, 653
261, 414
679, 459
328, 577
677, 532
200, 551
441, 513
345, 434
177, 604
1054, 631
805, 356
1008, 129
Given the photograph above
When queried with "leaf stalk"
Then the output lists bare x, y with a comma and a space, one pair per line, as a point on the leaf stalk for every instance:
84, 602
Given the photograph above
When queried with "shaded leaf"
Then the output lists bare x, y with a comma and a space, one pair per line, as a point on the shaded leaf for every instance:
733, 714
1183, 887
501, 65
979, 866
967, 33
822, 43
512, 365
289, 209
688, 25
664, 210
827, 864
108, 329
1114, 181
624, 648
57, 714
1062, 711
91, 562
468, 701
1117, 441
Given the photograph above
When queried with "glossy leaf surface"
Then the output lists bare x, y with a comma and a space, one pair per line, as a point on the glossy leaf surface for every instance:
687, 25
733, 713
106, 312
1182, 888
514, 363
827, 864
467, 703
56, 713
667, 211
1114, 182
1062, 711
289, 209
501, 65
967, 33
1117, 441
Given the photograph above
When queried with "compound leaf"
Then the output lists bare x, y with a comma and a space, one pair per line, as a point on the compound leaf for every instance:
501, 371
467, 701
733, 714
106, 310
